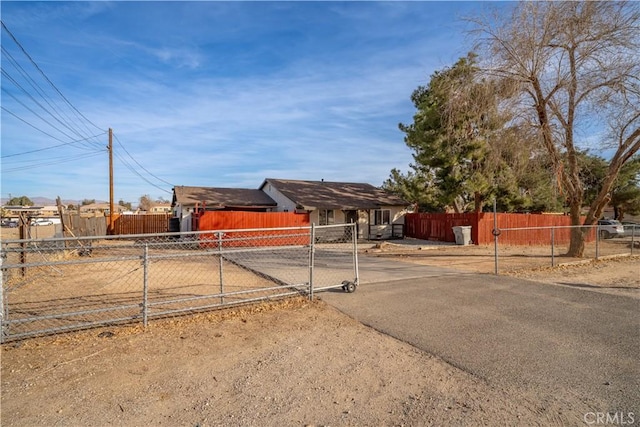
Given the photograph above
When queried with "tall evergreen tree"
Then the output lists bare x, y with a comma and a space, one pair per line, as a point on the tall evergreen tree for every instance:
465, 150
415, 187
625, 195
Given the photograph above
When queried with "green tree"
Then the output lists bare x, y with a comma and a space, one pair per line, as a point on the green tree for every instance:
87, 202
126, 205
466, 151
571, 64
415, 187
537, 183
20, 201
449, 131
625, 194
592, 170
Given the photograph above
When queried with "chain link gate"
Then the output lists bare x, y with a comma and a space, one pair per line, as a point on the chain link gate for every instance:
52, 286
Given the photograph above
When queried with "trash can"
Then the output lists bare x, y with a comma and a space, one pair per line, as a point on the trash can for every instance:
174, 225
463, 234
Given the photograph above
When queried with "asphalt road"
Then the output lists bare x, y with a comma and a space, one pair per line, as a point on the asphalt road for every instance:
553, 341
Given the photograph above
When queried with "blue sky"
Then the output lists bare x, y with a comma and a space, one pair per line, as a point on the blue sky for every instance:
220, 94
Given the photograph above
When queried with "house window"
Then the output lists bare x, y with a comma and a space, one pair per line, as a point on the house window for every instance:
382, 217
326, 216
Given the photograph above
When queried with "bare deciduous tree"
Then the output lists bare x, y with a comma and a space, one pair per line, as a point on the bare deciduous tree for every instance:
145, 203
575, 68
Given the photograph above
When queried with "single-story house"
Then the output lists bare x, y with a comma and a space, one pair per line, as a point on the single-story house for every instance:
187, 200
160, 208
14, 211
98, 209
378, 214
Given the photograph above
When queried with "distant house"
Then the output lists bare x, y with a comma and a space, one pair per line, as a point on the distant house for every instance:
378, 214
32, 211
160, 208
96, 209
50, 211
15, 211
187, 200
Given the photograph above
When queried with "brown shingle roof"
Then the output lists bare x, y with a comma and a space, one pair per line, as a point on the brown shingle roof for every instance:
334, 195
220, 198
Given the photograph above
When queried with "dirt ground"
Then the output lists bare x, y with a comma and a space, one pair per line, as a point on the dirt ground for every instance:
292, 362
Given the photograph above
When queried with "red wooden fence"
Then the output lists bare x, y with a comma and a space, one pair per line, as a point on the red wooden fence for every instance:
228, 220
140, 224
438, 226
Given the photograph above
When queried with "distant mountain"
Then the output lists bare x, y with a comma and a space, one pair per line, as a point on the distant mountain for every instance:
45, 201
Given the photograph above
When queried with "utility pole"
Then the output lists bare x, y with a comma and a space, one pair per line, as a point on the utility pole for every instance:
110, 147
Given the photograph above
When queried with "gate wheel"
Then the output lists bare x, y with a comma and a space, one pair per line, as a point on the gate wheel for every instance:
349, 287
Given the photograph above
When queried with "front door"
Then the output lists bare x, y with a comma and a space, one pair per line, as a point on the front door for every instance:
349, 217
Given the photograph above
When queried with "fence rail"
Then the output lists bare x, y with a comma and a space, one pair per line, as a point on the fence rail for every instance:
56, 285
550, 244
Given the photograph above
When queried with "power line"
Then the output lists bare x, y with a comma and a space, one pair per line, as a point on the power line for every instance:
49, 162
72, 124
47, 148
64, 119
132, 169
60, 115
82, 138
32, 125
36, 114
45, 76
138, 163
28, 162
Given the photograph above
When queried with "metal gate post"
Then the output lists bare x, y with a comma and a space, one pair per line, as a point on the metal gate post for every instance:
354, 233
2, 319
145, 286
312, 251
221, 272
553, 264
597, 241
495, 233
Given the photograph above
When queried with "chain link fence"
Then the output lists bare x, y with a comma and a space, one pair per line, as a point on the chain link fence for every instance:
55, 285
548, 246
